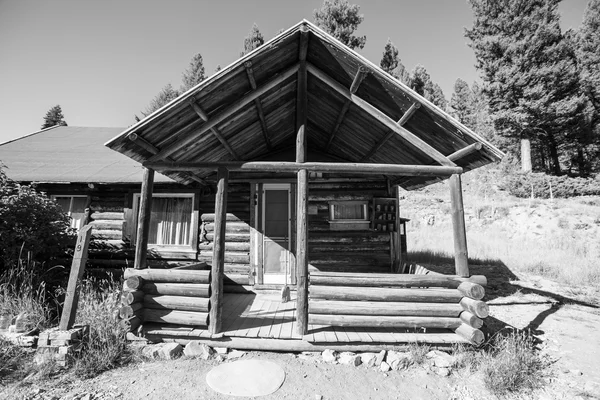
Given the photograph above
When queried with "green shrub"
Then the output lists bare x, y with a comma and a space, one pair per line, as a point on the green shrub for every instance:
544, 186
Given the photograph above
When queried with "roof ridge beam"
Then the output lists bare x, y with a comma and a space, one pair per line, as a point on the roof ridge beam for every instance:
405, 117
287, 166
408, 136
224, 114
258, 104
214, 129
150, 148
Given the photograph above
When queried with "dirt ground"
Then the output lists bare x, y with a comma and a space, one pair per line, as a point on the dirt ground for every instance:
564, 322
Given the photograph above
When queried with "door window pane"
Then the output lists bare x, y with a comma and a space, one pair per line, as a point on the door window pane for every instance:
276, 257
276, 213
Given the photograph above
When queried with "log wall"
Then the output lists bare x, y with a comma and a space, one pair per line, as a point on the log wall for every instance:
417, 302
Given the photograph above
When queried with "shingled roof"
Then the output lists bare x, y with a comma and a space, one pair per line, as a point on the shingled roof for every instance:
356, 113
66, 154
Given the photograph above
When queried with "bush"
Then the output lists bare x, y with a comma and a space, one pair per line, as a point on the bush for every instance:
31, 225
542, 185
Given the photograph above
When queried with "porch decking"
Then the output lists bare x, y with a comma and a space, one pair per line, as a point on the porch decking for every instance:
263, 316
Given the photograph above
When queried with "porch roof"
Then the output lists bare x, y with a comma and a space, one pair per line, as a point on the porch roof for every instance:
356, 113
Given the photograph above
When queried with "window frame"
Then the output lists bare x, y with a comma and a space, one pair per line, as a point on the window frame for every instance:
69, 212
333, 204
191, 247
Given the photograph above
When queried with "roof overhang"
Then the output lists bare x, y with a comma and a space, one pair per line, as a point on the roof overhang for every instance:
356, 113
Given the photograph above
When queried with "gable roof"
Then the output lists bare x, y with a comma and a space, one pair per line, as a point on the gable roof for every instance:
69, 154
247, 112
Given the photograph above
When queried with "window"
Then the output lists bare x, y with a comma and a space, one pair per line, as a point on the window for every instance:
348, 211
170, 220
74, 206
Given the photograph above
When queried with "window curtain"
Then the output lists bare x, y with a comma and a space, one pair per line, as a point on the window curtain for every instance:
171, 221
348, 211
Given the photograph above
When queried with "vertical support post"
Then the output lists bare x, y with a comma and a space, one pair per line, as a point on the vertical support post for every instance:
461, 263
77, 268
141, 245
218, 260
302, 189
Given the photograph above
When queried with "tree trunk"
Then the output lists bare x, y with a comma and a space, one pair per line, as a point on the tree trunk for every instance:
525, 154
555, 164
581, 164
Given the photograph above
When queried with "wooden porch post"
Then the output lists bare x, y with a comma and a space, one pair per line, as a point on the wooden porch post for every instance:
302, 203
141, 245
218, 260
461, 255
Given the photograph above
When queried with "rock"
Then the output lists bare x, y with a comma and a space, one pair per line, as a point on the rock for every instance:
221, 350
235, 354
440, 359
442, 371
592, 388
318, 397
170, 351
348, 358
197, 349
380, 357
384, 367
330, 356
575, 372
368, 359
151, 351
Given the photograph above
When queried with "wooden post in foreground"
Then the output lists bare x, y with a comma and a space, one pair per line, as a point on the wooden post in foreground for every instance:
461, 263
79, 259
218, 260
141, 245
302, 238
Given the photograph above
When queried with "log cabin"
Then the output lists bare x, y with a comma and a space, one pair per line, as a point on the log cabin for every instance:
282, 170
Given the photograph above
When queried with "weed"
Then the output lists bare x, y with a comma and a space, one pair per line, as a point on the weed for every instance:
418, 353
14, 361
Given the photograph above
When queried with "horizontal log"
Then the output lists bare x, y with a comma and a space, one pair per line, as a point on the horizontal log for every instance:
196, 266
384, 308
232, 227
169, 275
189, 318
471, 319
286, 166
132, 297
365, 321
229, 246
231, 236
230, 257
474, 336
210, 217
129, 311
134, 283
235, 279
130, 324
179, 303
476, 307
472, 290
478, 279
378, 280
105, 234
107, 215
178, 289
107, 224
385, 294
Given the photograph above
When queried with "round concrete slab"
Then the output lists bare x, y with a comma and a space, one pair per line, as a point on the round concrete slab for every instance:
248, 378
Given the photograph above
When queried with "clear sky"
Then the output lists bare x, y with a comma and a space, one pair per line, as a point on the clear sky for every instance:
103, 60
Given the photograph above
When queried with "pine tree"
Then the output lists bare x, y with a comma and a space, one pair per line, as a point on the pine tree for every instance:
163, 97
530, 76
391, 63
420, 81
340, 19
253, 40
53, 117
462, 102
194, 74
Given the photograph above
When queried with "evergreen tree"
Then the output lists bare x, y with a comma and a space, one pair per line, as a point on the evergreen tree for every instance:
391, 63
462, 102
253, 40
420, 82
163, 97
340, 19
437, 97
530, 76
194, 74
54, 116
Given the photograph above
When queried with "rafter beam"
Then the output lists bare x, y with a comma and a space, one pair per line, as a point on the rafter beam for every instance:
361, 74
338, 123
408, 136
225, 114
286, 166
258, 104
465, 151
413, 108
150, 148
214, 129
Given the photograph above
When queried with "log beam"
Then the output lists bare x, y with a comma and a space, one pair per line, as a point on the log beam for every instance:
225, 114
141, 246
213, 129
285, 166
338, 123
258, 104
461, 258
218, 260
465, 151
361, 74
408, 136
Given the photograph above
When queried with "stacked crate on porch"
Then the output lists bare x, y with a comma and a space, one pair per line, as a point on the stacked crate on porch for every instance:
165, 296
421, 302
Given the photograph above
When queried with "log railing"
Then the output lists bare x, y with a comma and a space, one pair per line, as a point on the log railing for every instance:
399, 301
176, 297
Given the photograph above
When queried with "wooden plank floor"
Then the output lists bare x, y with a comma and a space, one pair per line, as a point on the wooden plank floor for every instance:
265, 316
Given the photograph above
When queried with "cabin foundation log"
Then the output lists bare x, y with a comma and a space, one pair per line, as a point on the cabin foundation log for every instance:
141, 248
